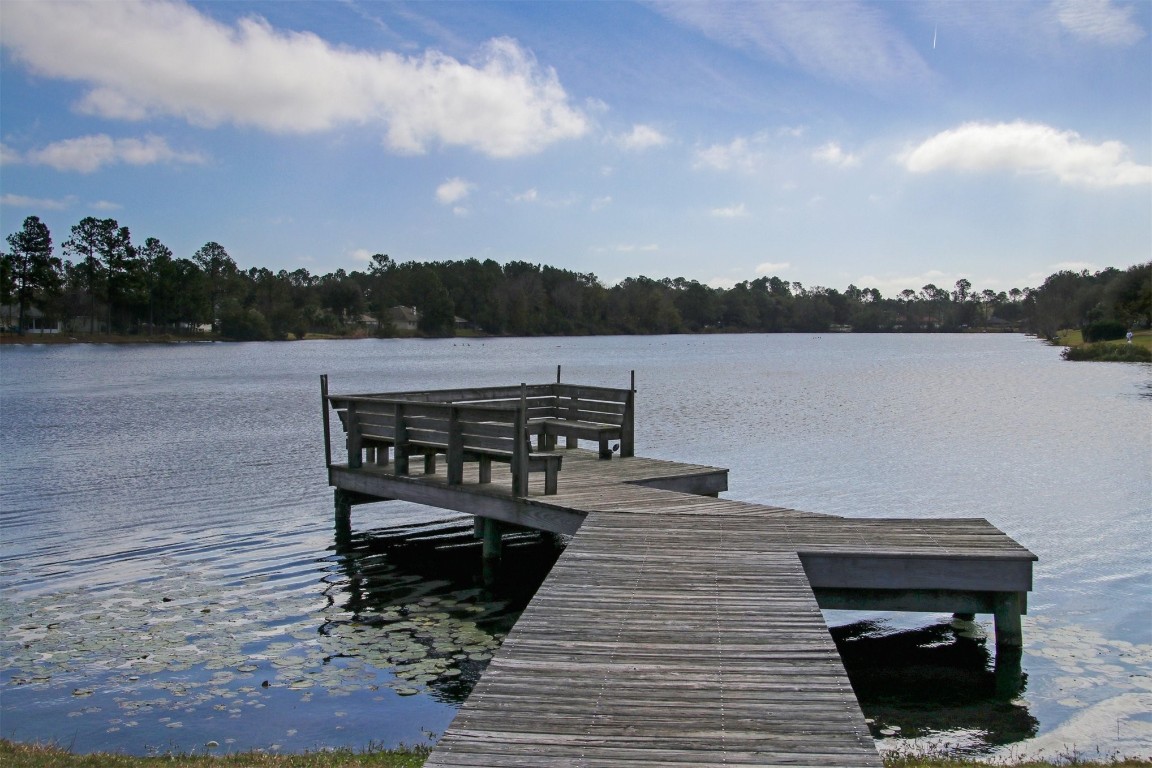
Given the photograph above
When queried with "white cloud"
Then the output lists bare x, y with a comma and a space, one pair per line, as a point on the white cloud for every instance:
528, 196
87, 154
22, 201
106, 205
727, 283
9, 156
1073, 266
731, 212
600, 202
454, 190
1028, 148
633, 248
1099, 21
832, 154
892, 285
771, 268
739, 154
640, 138
361, 254
843, 41
143, 59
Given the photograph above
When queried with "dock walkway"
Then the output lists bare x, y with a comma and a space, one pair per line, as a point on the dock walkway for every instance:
681, 629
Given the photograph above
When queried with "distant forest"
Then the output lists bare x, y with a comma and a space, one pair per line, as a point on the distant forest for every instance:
105, 283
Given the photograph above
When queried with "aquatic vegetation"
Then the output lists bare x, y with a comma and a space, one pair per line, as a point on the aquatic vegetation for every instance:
184, 650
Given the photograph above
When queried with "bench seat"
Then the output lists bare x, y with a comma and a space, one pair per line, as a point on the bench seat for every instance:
550, 428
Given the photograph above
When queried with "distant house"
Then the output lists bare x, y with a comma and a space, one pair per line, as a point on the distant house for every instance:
34, 320
405, 318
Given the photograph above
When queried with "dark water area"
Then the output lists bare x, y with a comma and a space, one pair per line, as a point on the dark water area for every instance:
170, 573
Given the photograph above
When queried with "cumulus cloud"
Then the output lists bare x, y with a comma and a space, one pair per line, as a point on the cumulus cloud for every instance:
87, 154
454, 190
640, 138
1099, 21
832, 154
847, 42
143, 59
731, 212
740, 154
40, 203
1028, 148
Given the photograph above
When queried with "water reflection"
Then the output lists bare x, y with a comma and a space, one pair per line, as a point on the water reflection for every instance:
436, 609
935, 684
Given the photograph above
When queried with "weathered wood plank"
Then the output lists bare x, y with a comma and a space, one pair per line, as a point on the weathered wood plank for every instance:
676, 629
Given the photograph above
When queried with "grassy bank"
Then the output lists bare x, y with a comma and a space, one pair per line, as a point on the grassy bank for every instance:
14, 755
1139, 351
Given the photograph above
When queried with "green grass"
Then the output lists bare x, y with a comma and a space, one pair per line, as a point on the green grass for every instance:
1073, 338
1110, 352
13, 755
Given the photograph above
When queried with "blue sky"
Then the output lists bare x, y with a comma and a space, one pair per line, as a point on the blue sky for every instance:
885, 145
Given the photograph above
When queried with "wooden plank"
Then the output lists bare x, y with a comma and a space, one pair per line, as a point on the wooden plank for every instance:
678, 629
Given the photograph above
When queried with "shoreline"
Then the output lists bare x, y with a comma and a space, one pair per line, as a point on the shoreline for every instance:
37, 755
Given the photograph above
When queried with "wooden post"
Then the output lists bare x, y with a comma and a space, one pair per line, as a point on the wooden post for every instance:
355, 459
520, 446
628, 423
327, 426
493, 543
400, 431
455, 447
557, 374
343, 504
1009, 633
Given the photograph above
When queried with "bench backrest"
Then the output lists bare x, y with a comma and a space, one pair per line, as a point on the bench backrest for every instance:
484, 417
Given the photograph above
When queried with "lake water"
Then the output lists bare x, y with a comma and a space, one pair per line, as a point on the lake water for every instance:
170, 575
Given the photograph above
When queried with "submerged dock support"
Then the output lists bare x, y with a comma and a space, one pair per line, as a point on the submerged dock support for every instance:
492, 537
1009, 632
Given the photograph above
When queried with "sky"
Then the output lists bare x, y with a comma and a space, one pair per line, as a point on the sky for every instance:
885, 145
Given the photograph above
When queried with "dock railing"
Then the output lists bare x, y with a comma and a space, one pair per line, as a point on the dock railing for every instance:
549, 411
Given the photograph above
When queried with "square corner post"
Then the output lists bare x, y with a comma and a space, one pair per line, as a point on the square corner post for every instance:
490, 534
628, 425
1009, 607
520, 446
327, 424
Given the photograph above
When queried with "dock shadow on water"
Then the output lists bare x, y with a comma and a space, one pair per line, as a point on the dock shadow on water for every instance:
435, 612
376, 641
937, 687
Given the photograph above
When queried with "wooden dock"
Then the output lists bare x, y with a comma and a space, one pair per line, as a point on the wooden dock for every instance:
678, 628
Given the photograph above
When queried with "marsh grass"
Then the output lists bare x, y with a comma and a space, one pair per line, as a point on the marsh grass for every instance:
13, 755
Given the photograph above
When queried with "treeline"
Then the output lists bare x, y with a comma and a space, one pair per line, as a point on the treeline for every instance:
104, 282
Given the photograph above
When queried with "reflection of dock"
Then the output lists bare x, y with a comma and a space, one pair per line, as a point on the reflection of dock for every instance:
680, 628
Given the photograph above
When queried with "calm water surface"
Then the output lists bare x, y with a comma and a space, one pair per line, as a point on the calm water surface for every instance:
170, 575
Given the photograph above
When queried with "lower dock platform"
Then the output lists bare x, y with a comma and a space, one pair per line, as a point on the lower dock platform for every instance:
678, 628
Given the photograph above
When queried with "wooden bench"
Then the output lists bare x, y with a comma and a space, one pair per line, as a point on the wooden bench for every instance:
574, 412
599, 414
461, 432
